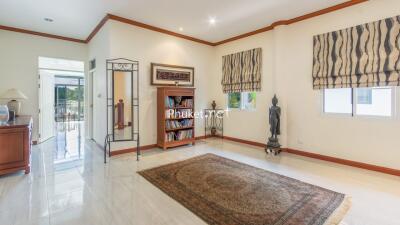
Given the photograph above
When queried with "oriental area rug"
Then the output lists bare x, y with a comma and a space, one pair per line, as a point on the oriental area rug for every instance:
225, 192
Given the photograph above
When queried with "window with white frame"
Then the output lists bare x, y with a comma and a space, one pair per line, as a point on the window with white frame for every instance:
242, 101
375, 101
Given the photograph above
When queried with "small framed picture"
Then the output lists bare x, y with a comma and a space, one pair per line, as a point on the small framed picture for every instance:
171, 75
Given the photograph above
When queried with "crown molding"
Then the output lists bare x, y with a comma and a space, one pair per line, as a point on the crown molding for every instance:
164, 31
293, 20
24, 31
157, 29
97, 28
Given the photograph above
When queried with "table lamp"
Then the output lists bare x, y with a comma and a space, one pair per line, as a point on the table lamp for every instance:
14, 95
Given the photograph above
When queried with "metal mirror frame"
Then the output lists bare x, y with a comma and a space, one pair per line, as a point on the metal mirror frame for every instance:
132, 67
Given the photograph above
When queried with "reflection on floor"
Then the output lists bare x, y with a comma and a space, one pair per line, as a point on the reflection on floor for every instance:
88, 192
70, 142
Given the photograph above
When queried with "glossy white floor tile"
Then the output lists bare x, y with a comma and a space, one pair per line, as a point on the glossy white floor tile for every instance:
77, 188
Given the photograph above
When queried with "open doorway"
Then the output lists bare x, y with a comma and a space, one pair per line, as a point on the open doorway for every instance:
62, 105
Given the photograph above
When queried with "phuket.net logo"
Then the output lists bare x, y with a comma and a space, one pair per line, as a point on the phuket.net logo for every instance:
190, 114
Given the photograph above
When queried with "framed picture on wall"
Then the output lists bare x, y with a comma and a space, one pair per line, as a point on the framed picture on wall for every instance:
171, 75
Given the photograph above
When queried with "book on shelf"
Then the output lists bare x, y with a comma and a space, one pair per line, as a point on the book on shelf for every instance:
185, 103
187, 123
169, 102
184, 134
178, 135
170, 136
175, 124
178, 113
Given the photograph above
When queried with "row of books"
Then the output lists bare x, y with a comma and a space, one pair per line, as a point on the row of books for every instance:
186, 103
170, 136
179, 135
184, 134
178, 113
174, 124
170, 102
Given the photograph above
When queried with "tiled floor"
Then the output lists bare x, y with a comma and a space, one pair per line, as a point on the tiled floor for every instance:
80, 189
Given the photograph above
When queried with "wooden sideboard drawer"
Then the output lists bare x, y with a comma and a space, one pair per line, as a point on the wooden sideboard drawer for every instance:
15, 145
12, 147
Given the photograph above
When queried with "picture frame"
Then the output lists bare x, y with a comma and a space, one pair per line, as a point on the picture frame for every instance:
171, 75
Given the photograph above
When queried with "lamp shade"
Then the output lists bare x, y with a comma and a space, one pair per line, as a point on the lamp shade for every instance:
13, 94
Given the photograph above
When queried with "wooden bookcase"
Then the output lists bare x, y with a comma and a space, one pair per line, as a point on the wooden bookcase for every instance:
175, 122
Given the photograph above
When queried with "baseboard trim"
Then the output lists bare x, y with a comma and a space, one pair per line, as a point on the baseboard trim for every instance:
346, 162
201, 137
257, 144
146, 147
130, 150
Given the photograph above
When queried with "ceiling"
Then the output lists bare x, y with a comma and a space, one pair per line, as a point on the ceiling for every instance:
77, 18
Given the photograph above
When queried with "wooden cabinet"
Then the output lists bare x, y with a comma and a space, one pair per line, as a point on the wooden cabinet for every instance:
175, 120
15, 145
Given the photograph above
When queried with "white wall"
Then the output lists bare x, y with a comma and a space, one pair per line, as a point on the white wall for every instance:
99, 49
248, 125
19, 55
287, 70
373, 141
145, 46
287, 66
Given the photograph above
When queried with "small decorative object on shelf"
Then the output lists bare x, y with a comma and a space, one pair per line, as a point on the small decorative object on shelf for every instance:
213, 105
4, 114
12, 115
178, 100
214, 121
273, 145
14, 96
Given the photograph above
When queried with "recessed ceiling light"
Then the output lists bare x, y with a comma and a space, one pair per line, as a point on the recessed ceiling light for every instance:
180, 28
48, 20
212, 21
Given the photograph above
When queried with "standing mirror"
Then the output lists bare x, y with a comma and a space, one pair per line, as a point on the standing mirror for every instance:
122, 102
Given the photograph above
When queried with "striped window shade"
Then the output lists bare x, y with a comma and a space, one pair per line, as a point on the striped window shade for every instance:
363, 56
241, 72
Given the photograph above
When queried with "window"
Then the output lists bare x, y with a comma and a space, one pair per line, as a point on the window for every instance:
338, 101
234, 100
364, 96
244, 100
376, 101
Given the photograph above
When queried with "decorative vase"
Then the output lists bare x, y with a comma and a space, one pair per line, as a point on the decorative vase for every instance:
15, 106
4, 116
213, 105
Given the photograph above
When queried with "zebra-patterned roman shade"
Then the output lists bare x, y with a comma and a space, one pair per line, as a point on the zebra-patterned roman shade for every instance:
363, 56
241, 72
